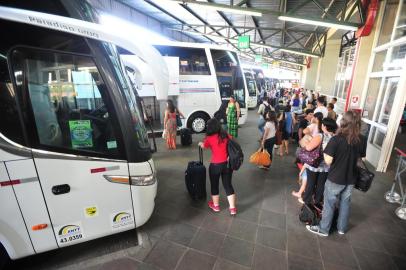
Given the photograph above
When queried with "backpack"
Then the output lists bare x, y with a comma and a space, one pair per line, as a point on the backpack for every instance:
267, 109
235, 155
310, 214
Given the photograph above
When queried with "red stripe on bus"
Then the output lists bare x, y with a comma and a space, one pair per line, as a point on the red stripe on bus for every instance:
97, 170
10, 183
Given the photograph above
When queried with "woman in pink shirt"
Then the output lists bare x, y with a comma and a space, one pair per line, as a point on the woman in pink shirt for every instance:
216, 139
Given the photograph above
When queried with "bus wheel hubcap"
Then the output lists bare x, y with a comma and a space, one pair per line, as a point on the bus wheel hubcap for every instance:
198, 124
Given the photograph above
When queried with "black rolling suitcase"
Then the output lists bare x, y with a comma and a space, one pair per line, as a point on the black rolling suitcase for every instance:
185, 136
195, 178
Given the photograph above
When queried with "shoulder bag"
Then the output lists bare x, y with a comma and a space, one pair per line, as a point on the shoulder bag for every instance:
364, 177
313, 157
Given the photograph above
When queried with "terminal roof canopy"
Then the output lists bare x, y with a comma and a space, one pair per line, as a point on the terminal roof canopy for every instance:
274, 38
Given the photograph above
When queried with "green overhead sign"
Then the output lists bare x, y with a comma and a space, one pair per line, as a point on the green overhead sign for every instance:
265, 65
258, 58
243, 42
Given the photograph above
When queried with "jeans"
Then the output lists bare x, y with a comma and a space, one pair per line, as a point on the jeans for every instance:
268, 145
333, 193
215, 171
261, 125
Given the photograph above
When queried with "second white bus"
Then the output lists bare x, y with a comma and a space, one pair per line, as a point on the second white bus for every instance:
208, 76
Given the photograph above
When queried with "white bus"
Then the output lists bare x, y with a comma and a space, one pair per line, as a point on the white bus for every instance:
75, 160
208, 75
253, 92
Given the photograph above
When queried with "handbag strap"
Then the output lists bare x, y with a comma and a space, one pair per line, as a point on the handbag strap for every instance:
200, 154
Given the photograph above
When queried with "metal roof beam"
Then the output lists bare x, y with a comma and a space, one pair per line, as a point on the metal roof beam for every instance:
207, 24
248, 28
169, 14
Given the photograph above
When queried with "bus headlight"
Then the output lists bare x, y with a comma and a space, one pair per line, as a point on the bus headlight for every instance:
145, 180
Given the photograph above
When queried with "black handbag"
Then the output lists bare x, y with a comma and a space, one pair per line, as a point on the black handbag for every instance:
364, 177
178, 120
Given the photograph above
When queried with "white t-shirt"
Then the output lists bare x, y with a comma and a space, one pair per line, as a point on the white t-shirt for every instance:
323, 110
272, 130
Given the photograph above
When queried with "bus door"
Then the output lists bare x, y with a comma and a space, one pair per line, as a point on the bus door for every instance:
76, 143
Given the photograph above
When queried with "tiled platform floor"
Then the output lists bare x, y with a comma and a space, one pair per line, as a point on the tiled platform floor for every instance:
266, 233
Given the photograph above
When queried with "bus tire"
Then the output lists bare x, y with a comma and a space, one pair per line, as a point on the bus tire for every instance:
197, 122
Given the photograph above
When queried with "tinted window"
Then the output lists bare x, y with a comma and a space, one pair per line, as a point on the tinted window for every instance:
252, 88
10, 123
68, 104
133, 105
229, 75
192, 61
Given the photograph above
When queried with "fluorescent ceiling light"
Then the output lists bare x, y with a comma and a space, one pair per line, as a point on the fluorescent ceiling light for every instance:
300, 52
320, 22
222, 7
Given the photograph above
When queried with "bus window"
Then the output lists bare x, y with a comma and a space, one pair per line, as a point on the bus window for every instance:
229, 75
192, 61
10, 125
67, 99
252, 90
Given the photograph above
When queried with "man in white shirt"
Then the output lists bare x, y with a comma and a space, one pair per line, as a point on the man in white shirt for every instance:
320, 106
263, 108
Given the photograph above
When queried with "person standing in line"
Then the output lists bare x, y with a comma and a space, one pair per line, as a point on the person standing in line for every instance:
304, 122
342, 154
315, 177
320, 106
216, 140
329, 128
331, 113
287, 129
333, 100
280, 128
233, 114
221, 115
296, 103
269, 137
262, 110
170, 124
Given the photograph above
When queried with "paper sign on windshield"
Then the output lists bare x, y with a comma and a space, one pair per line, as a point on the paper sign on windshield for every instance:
81, 133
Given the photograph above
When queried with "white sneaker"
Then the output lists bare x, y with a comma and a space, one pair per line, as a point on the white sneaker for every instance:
316, 230
341, 232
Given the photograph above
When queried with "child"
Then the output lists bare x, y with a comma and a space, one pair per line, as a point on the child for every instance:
302, 182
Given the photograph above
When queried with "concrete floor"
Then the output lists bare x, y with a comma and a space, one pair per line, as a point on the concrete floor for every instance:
266, 233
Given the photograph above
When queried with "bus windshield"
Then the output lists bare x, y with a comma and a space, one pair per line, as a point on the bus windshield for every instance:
229, 75
252, 87
136, 117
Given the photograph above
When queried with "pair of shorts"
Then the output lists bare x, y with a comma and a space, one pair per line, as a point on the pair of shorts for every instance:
303, 176
286, 136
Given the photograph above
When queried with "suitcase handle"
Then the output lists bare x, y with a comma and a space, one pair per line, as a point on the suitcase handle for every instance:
201, 155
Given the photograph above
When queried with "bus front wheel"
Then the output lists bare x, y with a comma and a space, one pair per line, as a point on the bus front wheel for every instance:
198, 122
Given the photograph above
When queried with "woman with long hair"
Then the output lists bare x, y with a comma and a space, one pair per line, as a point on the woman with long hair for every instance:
342, 154
216, 140
233, 114
269, 138
221, 115
170, 124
